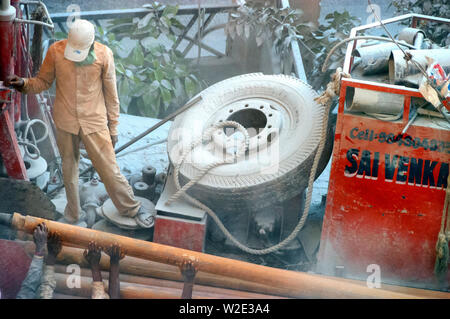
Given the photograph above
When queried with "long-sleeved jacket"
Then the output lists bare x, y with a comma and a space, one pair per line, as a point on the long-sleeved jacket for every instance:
40, 281
86, 96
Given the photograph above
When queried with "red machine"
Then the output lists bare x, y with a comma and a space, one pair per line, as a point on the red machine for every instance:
19, 112
386, 193
11, 62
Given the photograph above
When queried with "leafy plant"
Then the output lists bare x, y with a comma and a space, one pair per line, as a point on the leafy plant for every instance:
281, 26
152, 78
438, 33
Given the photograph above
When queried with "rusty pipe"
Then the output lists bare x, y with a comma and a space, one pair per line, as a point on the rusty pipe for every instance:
141, 268
144, 268
127, 291
199, 290
303, 285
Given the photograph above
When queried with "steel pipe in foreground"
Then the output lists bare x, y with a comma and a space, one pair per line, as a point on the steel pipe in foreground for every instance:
302, 285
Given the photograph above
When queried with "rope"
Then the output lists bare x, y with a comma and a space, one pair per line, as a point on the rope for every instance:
332, 89
325, 99
442, 250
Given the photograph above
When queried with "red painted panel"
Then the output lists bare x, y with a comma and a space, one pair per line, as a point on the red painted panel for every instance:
14, 264
379, 210
9, 149
180, 233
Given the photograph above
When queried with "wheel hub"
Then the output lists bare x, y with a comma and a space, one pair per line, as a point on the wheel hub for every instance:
260, 117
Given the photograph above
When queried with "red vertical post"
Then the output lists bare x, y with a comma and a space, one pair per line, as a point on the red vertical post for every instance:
7, 51
9, 148
19, 63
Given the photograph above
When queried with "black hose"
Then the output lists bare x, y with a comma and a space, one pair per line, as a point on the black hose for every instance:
6, 219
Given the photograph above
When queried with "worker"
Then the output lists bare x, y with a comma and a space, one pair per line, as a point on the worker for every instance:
116, 253
86, 110
93, 256
40, 280
188, 271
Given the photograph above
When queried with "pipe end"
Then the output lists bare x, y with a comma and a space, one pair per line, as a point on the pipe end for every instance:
6, 219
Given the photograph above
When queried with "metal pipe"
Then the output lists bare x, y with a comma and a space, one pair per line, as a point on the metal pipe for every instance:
4, 5
295, 51
302, 285
355, 30
44, 7
375, 58
418, 41
6, 39
369, 101
34, 22
127, 290
5, 219
199, 290
353, 38
404, 72
412, 36
146, 268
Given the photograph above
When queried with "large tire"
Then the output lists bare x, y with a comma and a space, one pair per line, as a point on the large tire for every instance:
284, 108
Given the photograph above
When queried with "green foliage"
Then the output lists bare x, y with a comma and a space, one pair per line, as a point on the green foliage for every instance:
438, 33
281, 26
152, 78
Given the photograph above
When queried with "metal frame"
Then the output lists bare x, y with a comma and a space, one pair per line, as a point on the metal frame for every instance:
374, 204
297, 61
415, 18
210, 11
389, 88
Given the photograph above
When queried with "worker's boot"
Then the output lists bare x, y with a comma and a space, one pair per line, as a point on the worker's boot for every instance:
144, 218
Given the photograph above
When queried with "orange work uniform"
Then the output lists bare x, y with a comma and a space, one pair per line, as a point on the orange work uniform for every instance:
86, 109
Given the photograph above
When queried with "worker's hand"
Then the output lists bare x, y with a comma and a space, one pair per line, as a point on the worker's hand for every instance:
14, 81
114, 140
115, 253
40, 238
93, 254
188, 270
54, 247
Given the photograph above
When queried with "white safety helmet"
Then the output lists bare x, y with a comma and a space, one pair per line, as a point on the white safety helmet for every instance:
80, 38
